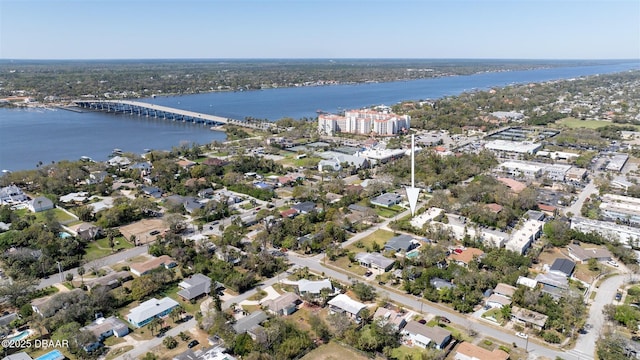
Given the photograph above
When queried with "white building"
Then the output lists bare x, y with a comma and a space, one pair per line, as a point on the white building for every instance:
625, 209
610, 231
364, 122
512, 149
520, 169
524, 236
555, 172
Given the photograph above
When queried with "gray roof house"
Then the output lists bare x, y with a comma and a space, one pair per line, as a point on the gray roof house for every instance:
152, 191
374, 261
313, 287
39, 204
422, 335
563, 266
285, 304
387, 199
440, 283
304, 207
249, 322
18, 356
194, 286
401, 243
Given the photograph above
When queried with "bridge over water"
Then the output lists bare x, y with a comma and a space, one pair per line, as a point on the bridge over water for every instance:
163, 112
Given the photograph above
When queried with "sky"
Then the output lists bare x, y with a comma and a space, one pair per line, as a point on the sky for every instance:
327, 29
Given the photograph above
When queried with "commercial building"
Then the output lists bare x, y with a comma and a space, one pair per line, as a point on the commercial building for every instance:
524, 236
512, 149
610, 231
364, 122
556, 172
520, 169
624, 209
617, 161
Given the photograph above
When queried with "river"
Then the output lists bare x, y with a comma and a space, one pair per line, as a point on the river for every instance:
31, 136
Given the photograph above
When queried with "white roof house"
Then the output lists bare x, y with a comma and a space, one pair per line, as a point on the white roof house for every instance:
313, 287
40, 203
145, 312
344, 304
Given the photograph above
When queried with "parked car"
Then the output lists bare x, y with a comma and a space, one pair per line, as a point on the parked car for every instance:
445, 320
522, 335
192, 344
612, 263
618, 296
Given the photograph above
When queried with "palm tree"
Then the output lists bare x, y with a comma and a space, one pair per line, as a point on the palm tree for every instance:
155, 324
81, 272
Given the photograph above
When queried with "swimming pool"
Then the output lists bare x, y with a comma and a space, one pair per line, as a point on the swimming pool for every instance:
21, 335
64, 235
52, 355
412, 254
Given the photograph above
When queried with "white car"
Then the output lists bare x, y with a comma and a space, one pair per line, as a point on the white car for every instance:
612, 263
522, 335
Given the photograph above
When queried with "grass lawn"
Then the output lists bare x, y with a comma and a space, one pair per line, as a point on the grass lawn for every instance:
334, 351
405, 352
100, 248
344, 263
59, 215
385, 212
251, 308
378, 236
589, 124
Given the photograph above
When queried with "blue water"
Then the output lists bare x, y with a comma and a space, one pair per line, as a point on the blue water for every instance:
64, 235
28, 137
52, 355
19, 336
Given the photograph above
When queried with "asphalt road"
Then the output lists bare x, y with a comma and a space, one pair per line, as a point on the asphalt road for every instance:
105, 261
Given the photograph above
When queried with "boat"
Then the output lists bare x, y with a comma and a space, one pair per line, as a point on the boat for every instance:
117, 152
86, 158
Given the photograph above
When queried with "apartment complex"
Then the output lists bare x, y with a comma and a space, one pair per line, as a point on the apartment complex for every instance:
364, 122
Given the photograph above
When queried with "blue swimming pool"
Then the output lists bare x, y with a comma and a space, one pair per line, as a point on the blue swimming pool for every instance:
19, 336
64, 235
52, 355
412, 254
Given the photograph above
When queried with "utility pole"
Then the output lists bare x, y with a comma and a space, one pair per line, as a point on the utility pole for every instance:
60, 271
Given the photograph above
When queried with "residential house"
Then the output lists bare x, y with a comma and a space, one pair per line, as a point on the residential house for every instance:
119, 161
304, 207
140, 269
289, 213
97, 177
250, 322
501, 296
548, 210
583, 255
464, 256
314, 288
230, 254
387, 199
88, 231
212, 353
285, 304
469, 351
12, 195
111, 280
389, 316
553, 283
375, 261
39, 204
423, 336
144, 313
401, 243
185, 164
18, 356
440, 284
525, 281
515, 185
195, 286
206, 193
152, 191
563, 266
103, 328
345, 305
528, 318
